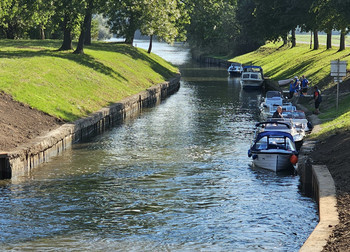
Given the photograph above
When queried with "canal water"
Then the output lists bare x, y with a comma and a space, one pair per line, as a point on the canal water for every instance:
176, 178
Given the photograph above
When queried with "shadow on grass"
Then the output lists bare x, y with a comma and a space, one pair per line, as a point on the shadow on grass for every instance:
292, 71
84, 60
38, 48
133, 53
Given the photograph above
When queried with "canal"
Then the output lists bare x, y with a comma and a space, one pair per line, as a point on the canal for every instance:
176, 178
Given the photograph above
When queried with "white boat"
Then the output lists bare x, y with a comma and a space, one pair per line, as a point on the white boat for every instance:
274, 150
272, 100
252, 77
284, 82
235, 69
299, 119
283, 125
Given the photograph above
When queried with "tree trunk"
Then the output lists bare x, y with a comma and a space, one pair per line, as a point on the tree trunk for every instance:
311, 40
294, 43
83, 32
285, 41
67, 36
329, 40
150, 44
130, 33
316, 43
342, 40
87, 40
10, 32
42, 32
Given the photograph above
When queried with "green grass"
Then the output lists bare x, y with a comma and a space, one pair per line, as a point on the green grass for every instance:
305, 38
72, 86
334, 120
284, 62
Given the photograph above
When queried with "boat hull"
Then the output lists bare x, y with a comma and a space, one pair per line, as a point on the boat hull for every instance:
251, 83
234, 74
275, 162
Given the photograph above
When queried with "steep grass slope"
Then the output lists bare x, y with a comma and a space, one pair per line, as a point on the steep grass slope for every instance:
71, 86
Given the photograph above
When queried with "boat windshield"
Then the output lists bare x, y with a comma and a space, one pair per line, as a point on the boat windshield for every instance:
280, 143
276, 127
270, 94
294, 114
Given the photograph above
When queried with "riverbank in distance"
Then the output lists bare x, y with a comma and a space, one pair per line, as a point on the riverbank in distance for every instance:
69, 86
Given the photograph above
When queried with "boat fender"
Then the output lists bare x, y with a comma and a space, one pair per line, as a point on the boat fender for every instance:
293, 159
249, 153
255, 156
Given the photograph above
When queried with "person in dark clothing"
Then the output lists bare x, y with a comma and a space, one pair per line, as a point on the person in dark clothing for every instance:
278, 113
304, 85
317, 99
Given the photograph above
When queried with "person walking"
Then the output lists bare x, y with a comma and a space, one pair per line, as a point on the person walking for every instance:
317, 99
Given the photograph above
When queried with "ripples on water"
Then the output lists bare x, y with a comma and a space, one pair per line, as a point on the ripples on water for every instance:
177, 178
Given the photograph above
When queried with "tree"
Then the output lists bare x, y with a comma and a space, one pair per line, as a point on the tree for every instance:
311, 20
213, 26
85, 26
160, 18
327, 16
342, 20
123, 18
16, 18
68, 14
249, 38
42, 11
100, 30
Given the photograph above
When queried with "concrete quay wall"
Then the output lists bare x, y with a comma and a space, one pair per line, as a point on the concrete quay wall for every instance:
317, 182
22, 160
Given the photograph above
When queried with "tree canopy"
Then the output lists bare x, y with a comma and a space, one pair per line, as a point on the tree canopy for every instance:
209, 26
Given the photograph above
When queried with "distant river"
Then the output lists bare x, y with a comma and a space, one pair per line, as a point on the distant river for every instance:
177, 178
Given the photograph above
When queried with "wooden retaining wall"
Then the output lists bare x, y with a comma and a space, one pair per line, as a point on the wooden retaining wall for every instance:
22, 160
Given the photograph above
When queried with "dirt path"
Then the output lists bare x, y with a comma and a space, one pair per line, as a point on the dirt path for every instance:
20, 123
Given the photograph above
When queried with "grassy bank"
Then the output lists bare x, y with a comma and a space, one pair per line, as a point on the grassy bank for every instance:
71, 86
283, 63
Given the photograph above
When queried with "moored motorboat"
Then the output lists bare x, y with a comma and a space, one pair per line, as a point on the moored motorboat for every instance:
235, 69
274, 150
299, 119
252, 77
284, 82
272, 100
283, 125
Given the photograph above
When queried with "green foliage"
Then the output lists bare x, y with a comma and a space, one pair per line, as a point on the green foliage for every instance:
213, 26
100, 28
164, 18
160, 18
71, 86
